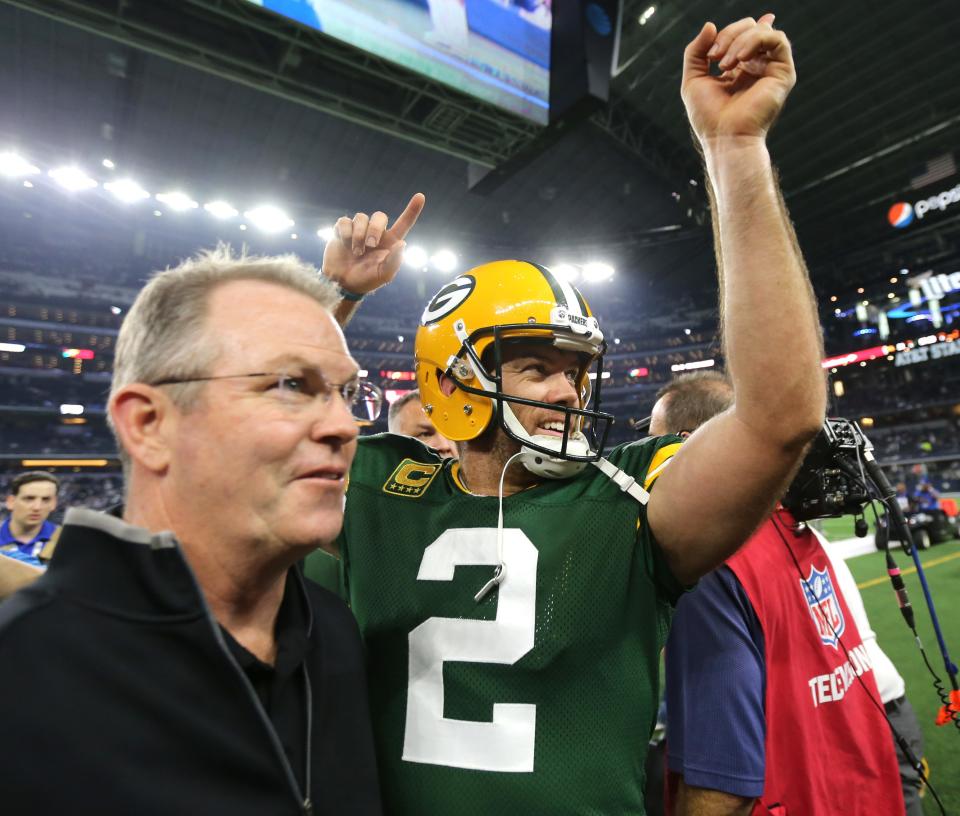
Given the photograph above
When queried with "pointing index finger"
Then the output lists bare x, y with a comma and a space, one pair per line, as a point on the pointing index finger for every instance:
408, 217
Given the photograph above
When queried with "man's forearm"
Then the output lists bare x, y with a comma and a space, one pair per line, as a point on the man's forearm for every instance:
770, 326
345, 311
693, 801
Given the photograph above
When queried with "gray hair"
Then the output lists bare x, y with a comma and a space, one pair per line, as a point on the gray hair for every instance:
397, 406
162, 334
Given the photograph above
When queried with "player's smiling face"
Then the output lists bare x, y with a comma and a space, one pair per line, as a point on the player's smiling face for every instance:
537, 370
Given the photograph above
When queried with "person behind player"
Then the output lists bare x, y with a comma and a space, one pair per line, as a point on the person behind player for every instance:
764, 707
27, 537
514, 603
406, 417
27, 532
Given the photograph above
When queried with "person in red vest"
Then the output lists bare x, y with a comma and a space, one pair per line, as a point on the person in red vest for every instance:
772, 702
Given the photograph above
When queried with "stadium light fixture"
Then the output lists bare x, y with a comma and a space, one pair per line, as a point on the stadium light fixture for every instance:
444, 260
13, 347
70, 409
567, 272
647, 14
13, 165
177, 201
692, 366
268, 218
28, 184
597, 272
108, 164
325, 234
220, 209
126, 190
72, 178
415, 256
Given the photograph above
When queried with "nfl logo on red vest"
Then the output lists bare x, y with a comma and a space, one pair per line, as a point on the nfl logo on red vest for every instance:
824, 605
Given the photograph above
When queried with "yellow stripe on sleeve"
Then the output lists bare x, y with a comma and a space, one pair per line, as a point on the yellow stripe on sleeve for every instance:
659, 462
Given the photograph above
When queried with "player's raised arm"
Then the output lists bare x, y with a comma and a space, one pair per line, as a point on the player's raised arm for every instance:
730, 472
365, 254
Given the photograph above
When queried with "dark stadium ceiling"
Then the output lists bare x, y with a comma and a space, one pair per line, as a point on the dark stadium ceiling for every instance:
226, 99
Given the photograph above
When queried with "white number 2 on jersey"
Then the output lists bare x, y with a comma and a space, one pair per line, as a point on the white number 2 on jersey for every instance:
507, 743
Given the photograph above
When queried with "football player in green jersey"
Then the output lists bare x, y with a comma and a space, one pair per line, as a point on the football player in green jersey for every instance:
514, 602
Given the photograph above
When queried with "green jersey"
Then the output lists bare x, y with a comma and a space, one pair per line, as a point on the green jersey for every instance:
541, 697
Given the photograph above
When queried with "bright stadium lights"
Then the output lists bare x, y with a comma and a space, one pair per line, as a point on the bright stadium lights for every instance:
13, 347
28, 184
268, 218
115, 310
69, 409
126, 190
13, 165
645, 17
220, 209
72, 178
691, 366
177, 201
293, 236
325, 234
243, 226
567, 272
415, 256
108, 164
596, 272
444, 260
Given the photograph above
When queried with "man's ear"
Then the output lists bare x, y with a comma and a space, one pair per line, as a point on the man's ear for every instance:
139, 413
10, 500
447, 386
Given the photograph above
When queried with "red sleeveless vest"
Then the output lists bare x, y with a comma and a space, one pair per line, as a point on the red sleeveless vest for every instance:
829, 749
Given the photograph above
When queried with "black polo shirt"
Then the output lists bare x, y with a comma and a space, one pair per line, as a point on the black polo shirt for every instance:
281, 687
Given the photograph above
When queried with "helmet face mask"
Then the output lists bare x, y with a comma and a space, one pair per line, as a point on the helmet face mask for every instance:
588, 413
462, 336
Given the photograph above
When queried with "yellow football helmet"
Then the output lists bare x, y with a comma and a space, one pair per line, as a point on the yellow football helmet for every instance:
473, 314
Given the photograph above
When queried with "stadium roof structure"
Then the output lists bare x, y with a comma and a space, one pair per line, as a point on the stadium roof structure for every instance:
222, 96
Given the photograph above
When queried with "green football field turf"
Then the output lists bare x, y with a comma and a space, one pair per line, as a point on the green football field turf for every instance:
942, 566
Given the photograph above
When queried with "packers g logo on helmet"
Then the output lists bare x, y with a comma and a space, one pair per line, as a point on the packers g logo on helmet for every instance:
448, 299
474, 313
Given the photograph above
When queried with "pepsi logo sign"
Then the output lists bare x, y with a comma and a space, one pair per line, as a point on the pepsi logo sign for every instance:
900, 215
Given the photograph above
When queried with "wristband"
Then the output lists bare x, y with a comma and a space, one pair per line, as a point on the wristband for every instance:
353, 297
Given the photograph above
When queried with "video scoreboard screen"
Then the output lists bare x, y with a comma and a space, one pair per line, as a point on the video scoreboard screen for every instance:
495, 50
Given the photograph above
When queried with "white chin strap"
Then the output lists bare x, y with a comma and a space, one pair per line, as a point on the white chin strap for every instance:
542, 464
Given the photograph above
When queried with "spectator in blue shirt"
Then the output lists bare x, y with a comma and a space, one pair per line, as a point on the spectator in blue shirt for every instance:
926, 497
27, 531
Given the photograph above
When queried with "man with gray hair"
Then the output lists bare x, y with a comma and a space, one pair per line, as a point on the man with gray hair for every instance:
407, 417
177, 657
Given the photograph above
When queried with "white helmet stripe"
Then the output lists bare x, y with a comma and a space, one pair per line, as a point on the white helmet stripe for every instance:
573, 302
